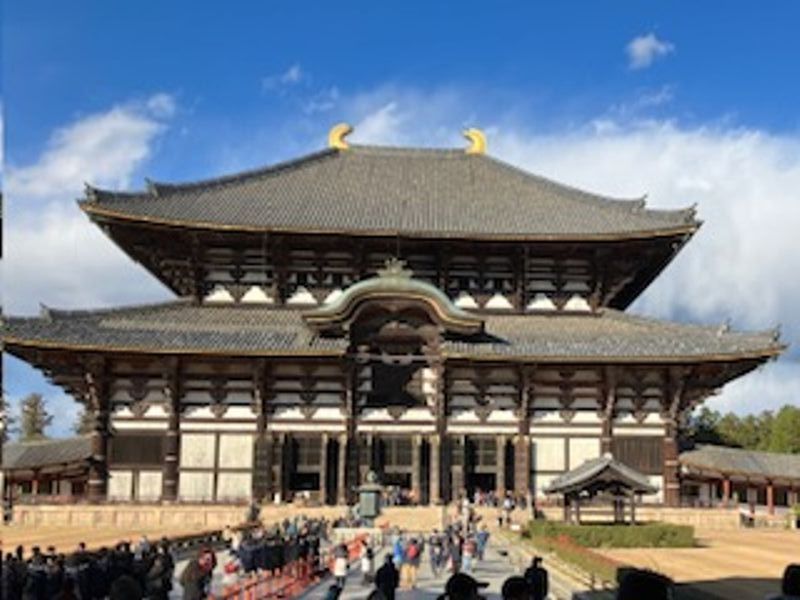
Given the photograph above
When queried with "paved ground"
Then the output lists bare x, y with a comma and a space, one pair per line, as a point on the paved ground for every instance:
746, 564
495, 569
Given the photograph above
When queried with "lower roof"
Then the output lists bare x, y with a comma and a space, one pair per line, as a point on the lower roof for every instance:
44, 453
181, 327
736, 461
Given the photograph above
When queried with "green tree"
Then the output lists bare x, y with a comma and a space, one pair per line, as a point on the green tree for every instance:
785, 431
84, 422
9, 424
34, 418
703, 427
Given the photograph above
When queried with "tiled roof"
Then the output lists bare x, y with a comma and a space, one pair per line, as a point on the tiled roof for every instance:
602, 469
742, 462
42, 453
182, 327
409, 191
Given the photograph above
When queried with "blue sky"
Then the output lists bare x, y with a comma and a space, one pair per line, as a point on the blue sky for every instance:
688, 103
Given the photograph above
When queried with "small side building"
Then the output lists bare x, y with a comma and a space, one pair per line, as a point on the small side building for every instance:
46, 468
720, 476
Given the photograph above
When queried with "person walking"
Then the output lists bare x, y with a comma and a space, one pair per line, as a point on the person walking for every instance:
340, 556
482, 539
367, 565
387, 578
537, 578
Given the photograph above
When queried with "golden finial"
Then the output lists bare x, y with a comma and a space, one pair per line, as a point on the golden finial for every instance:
337, 134
477, 141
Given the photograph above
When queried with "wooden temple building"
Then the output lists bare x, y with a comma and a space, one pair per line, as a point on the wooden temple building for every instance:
438, 316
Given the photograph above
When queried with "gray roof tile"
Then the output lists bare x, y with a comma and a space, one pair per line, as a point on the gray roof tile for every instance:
42, 453
410, 191
744, 462
182, 327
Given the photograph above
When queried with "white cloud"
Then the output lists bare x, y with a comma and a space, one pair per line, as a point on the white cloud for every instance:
54, 254
743, 262
291, 76
644, 49
103, 149
57, 257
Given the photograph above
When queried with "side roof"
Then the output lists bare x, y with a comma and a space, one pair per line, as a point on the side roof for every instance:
181, 327
415, 192
736, 461
43, 453
602, 470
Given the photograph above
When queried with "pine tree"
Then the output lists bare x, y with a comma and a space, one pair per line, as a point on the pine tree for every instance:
34, 418
84, 423
9, 424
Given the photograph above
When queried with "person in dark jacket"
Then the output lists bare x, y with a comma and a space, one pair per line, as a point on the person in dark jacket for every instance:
156, 579
387, 578
537, 578
36, 581
192, 579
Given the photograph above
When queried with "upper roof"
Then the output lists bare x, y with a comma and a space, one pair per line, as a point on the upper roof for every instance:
247, 330
600, 473
43, 453
736, 461
414, 192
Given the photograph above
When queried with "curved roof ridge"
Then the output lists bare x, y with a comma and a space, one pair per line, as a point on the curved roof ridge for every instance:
154, 188
68, 313
725, 329
627, 204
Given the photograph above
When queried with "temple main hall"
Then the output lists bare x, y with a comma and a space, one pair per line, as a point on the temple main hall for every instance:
438, 316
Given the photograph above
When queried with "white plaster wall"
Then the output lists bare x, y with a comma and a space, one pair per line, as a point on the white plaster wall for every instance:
582, 449
236, 450
540, 482
120, 484
549, 454
197, 450
196, 485
234, 486
149, 485
658, 481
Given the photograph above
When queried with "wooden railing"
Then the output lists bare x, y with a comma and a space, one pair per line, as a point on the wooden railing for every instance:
291, 581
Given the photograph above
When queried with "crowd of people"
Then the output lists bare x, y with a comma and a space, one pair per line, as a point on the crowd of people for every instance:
126, 571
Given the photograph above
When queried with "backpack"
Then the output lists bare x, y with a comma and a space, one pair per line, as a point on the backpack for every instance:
413, 551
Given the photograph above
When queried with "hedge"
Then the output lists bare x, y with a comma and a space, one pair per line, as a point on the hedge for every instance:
648, 535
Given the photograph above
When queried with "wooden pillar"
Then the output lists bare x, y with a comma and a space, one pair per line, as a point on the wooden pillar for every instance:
172, 441
577, 510
352, 479
279, 481
416, 467
610, 390
672, 485
341, 476
726, 491
323, 470
35, 483
500, 477
262, 465
566, 509
770, 498
522, 442
97, 385
98, 467
434, 473
457, 470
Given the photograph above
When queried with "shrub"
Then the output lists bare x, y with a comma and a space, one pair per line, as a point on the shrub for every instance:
650, 535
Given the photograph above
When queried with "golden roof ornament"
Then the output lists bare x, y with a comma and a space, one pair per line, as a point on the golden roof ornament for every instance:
477, 141
337, 134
